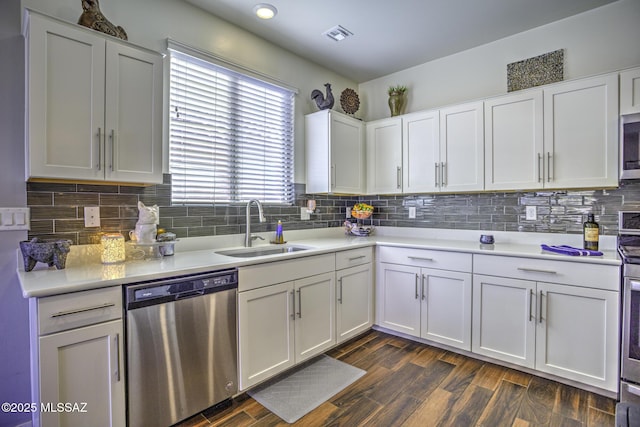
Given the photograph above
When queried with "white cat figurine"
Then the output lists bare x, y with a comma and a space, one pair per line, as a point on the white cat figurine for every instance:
146, 227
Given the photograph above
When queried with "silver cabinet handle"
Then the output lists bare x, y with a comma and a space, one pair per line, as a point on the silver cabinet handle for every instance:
340, 297
299, 304
82, 310
357, 257
117, 344
293, 304
417, 276
333, 176
99, 149
635, 286
399, 177
549, 176
422, 291
540, 307
443, 171
536, 270
112, 138
530, 301
436, 171
419, 258
539, 167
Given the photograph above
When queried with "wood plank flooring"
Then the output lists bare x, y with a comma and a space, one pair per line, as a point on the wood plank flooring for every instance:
412, 384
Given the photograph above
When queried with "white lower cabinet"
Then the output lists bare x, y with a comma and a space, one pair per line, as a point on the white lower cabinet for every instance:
566, 329
430, 303
354, 301
78, 342
285, 323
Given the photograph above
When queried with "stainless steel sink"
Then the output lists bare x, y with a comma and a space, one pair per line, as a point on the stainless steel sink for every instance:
262, 251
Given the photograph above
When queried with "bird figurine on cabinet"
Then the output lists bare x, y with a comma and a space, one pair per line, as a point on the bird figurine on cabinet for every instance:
323, 103
93, 18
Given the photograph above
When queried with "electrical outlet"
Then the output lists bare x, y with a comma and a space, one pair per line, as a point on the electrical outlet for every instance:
531, 214
92, 216
305, 214
412, 212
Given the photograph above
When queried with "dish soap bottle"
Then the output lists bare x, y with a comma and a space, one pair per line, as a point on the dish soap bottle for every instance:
279, 235
591, 233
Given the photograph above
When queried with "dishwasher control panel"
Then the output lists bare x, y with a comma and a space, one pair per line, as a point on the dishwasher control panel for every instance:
180, 287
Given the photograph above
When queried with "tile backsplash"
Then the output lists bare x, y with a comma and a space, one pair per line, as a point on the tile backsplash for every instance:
57, 210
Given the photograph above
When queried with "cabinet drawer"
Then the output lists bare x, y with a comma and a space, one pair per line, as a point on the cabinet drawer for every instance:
77, 309
455, 261
353, 257
257, 276
541, 270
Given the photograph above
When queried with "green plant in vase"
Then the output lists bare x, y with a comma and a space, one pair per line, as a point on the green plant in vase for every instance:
397, 99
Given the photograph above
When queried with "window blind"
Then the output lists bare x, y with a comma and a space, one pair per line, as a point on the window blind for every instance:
231, 135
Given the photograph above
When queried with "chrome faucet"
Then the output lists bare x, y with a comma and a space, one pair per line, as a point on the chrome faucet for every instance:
248, 238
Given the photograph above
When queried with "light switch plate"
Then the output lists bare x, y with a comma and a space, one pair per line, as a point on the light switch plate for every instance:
412, 212
531, 214
92, 216
305, 215
14, 219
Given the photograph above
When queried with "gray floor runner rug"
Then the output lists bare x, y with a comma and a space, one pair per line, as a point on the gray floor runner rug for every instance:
293, 396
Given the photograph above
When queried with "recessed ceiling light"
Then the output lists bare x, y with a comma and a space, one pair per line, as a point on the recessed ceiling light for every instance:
337, 33
265, 11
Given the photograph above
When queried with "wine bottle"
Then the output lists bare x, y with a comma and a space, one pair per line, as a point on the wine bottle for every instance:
591, 233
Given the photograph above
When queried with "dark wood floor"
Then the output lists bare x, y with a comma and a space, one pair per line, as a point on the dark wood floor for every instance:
411, 384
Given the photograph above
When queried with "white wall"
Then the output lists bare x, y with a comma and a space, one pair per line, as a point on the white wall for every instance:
601, 40
148, 23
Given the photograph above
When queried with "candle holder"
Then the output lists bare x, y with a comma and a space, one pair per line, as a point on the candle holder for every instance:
112, 248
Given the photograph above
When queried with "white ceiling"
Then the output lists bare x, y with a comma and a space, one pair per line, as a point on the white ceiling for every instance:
391, 35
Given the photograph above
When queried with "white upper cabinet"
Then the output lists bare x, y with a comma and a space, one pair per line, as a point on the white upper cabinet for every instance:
462, 148
335, 153
384, 156
581, 133
513, 143
421, 152
630, 91
94, 105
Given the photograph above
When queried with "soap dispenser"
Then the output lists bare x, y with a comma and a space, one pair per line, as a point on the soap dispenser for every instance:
279, 236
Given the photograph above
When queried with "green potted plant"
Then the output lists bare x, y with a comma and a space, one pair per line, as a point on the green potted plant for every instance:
397, 99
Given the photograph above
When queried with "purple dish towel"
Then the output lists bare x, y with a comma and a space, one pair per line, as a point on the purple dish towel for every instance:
570, 250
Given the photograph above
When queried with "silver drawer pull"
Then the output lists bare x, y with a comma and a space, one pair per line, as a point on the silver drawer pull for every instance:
419, 258
633, 389
357, 257
82, 310
635, 286
536, 270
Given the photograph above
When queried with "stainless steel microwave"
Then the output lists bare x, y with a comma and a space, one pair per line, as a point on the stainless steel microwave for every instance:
630, 146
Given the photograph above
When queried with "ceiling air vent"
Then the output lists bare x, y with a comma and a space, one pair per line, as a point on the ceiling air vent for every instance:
337, 33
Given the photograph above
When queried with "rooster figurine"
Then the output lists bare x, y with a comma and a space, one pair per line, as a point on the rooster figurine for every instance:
323, 103
93, 18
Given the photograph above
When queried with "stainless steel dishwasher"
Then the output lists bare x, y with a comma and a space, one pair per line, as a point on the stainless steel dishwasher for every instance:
181, 346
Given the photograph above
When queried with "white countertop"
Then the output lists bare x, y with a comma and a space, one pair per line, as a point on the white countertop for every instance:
195, 255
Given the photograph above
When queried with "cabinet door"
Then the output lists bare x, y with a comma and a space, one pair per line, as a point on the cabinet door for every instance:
315, 329
578, 335
462, 147
133, 111
446, 307
399, 298
421, 152
83, 365
384, 156
504, 322
354, 311
581, 133
65, 108
347, 155
630, 91
265, 323
513, 142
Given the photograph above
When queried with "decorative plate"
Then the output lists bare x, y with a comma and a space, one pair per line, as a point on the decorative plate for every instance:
349, 101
